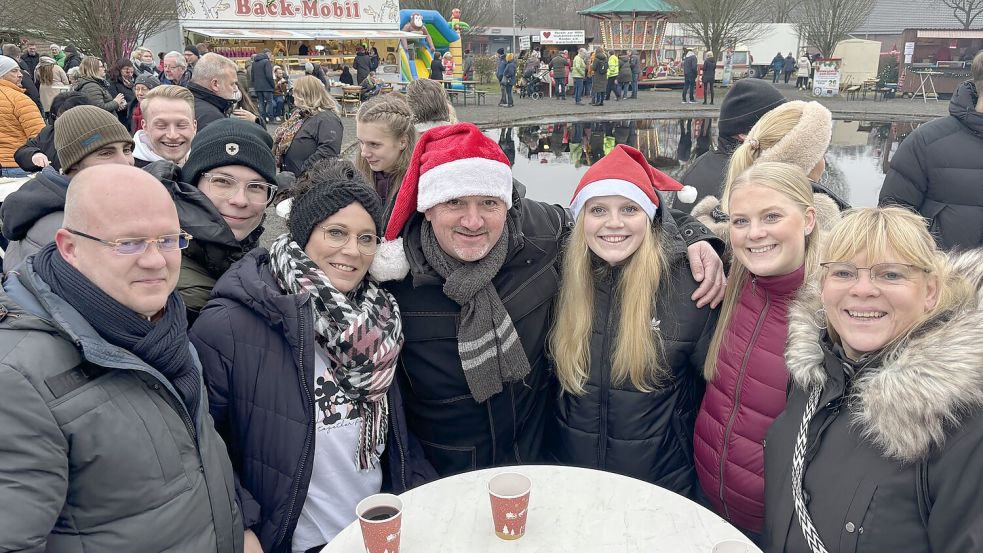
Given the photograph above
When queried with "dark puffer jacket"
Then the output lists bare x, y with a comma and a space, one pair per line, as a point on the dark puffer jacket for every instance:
646, 435
32, 215
262, 73
938, 169
743, 399
214, 248
257, 348
457, 433
97, 91
894, 451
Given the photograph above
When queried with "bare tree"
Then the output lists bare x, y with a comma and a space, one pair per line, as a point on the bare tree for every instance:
476, 13
782, 11
107, 28
965, 11
826, 22
722, 23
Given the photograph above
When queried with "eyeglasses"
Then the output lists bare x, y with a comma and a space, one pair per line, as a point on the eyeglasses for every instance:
224, 186
887, 274
337, 237
136, 246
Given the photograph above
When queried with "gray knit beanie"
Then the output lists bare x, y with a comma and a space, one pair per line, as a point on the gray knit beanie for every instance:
328, 188
147, 80
83, 130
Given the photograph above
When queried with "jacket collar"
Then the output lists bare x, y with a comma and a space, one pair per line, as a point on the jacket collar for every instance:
908, 399
962, 106
202, 93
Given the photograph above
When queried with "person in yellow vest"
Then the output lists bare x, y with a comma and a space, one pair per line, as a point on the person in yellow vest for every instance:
613, 76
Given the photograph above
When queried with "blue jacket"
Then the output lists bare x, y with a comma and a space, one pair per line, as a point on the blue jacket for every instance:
256, 345
500, 71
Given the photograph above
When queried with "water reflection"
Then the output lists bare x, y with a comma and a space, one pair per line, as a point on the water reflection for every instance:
550, 159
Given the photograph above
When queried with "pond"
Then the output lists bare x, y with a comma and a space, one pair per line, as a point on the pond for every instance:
550, 159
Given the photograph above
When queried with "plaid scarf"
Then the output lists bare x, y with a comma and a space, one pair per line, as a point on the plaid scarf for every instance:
361, 334
490, 350
284, 135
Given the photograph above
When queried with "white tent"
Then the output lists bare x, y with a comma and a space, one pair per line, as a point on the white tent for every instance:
859, 59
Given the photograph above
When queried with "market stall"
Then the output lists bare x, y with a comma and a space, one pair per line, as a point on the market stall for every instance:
297, 32
945, 55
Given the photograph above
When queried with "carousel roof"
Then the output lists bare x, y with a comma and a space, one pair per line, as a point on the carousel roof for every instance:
629, 7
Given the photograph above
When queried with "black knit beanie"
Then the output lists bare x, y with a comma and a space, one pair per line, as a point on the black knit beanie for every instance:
745, 103
230, 142
329, 188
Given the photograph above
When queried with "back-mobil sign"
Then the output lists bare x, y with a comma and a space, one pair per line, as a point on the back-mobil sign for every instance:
338, 14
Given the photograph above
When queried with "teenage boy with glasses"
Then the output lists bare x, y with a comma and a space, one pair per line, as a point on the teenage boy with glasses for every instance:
221, 193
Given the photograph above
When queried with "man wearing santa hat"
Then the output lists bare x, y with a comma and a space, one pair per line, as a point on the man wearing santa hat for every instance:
475, 269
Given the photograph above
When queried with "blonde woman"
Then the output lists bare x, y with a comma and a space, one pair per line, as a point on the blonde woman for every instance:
879, 445
49, 75
775, 241
796, 132
313, 131
92, 83
143, 61
627, 343
386, 138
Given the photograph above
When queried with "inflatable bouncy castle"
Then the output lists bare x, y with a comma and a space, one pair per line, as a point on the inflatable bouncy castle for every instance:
437, 37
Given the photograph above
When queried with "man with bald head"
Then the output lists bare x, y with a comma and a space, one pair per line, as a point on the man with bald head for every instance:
105, 436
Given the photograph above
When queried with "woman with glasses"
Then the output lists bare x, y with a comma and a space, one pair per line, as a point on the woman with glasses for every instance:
299, 348
879, 447
221, 194
775, 240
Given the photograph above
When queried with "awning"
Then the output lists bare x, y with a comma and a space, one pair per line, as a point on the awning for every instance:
254, 34
950, 33
304, 34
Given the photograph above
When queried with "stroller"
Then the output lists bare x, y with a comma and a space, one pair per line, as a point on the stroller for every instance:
532, 86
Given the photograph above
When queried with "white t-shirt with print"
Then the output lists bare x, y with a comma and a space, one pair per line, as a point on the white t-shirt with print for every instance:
336, 483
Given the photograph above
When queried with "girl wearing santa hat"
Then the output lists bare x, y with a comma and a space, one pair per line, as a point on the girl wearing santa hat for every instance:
628, 344
386, 138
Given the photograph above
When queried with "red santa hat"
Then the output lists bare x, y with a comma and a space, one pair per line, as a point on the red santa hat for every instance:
450, 161
625, 172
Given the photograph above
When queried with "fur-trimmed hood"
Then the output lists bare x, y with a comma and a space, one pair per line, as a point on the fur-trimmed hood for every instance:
908, 402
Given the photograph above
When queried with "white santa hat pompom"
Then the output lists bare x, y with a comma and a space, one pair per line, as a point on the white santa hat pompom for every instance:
687, 195
390, 261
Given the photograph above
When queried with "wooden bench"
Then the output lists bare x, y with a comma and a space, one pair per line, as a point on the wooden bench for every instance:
479, 95
454, 94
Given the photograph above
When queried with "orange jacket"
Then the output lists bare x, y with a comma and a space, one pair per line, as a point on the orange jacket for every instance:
19, 120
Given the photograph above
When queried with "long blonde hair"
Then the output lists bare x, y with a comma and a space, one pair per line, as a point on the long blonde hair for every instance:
89, 67
876, 232
791, 182
638, 355
309, 93
394, 113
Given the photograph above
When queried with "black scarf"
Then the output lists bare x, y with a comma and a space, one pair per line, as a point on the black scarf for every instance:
163, 344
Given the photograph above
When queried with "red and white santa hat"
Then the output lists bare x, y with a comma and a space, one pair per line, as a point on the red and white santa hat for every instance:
450, 161
625, 172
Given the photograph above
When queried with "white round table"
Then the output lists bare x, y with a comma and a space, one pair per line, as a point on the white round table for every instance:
570, 510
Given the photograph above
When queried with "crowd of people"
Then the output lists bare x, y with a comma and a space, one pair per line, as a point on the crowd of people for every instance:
808, 371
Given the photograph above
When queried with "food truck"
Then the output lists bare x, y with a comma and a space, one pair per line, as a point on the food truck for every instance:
946, 55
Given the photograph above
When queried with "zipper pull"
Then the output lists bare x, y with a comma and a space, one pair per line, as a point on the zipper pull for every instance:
754, 285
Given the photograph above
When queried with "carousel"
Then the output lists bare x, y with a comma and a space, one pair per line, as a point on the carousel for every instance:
638, 25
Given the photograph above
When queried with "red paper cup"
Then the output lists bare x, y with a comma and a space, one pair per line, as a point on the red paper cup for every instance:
380, 517
509, 492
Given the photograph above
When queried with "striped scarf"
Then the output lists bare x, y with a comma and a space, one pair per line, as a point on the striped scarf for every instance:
487, 342
360, 333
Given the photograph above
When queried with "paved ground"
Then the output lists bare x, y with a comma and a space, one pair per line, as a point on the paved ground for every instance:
651, 104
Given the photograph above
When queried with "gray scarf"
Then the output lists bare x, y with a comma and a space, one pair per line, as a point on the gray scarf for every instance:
487, 342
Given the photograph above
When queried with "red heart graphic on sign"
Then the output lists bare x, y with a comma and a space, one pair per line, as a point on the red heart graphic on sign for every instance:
546, 34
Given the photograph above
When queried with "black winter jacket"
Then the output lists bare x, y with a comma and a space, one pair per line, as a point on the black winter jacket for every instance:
938, 171
321, 134
457, 433
262, 72
707, 174
256, 346
43, 143
709, 70
209, 106
690, 67
31, 62
43, 195
645, 435
28, 84
894, 451
436, 69
118, 86
362, 66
